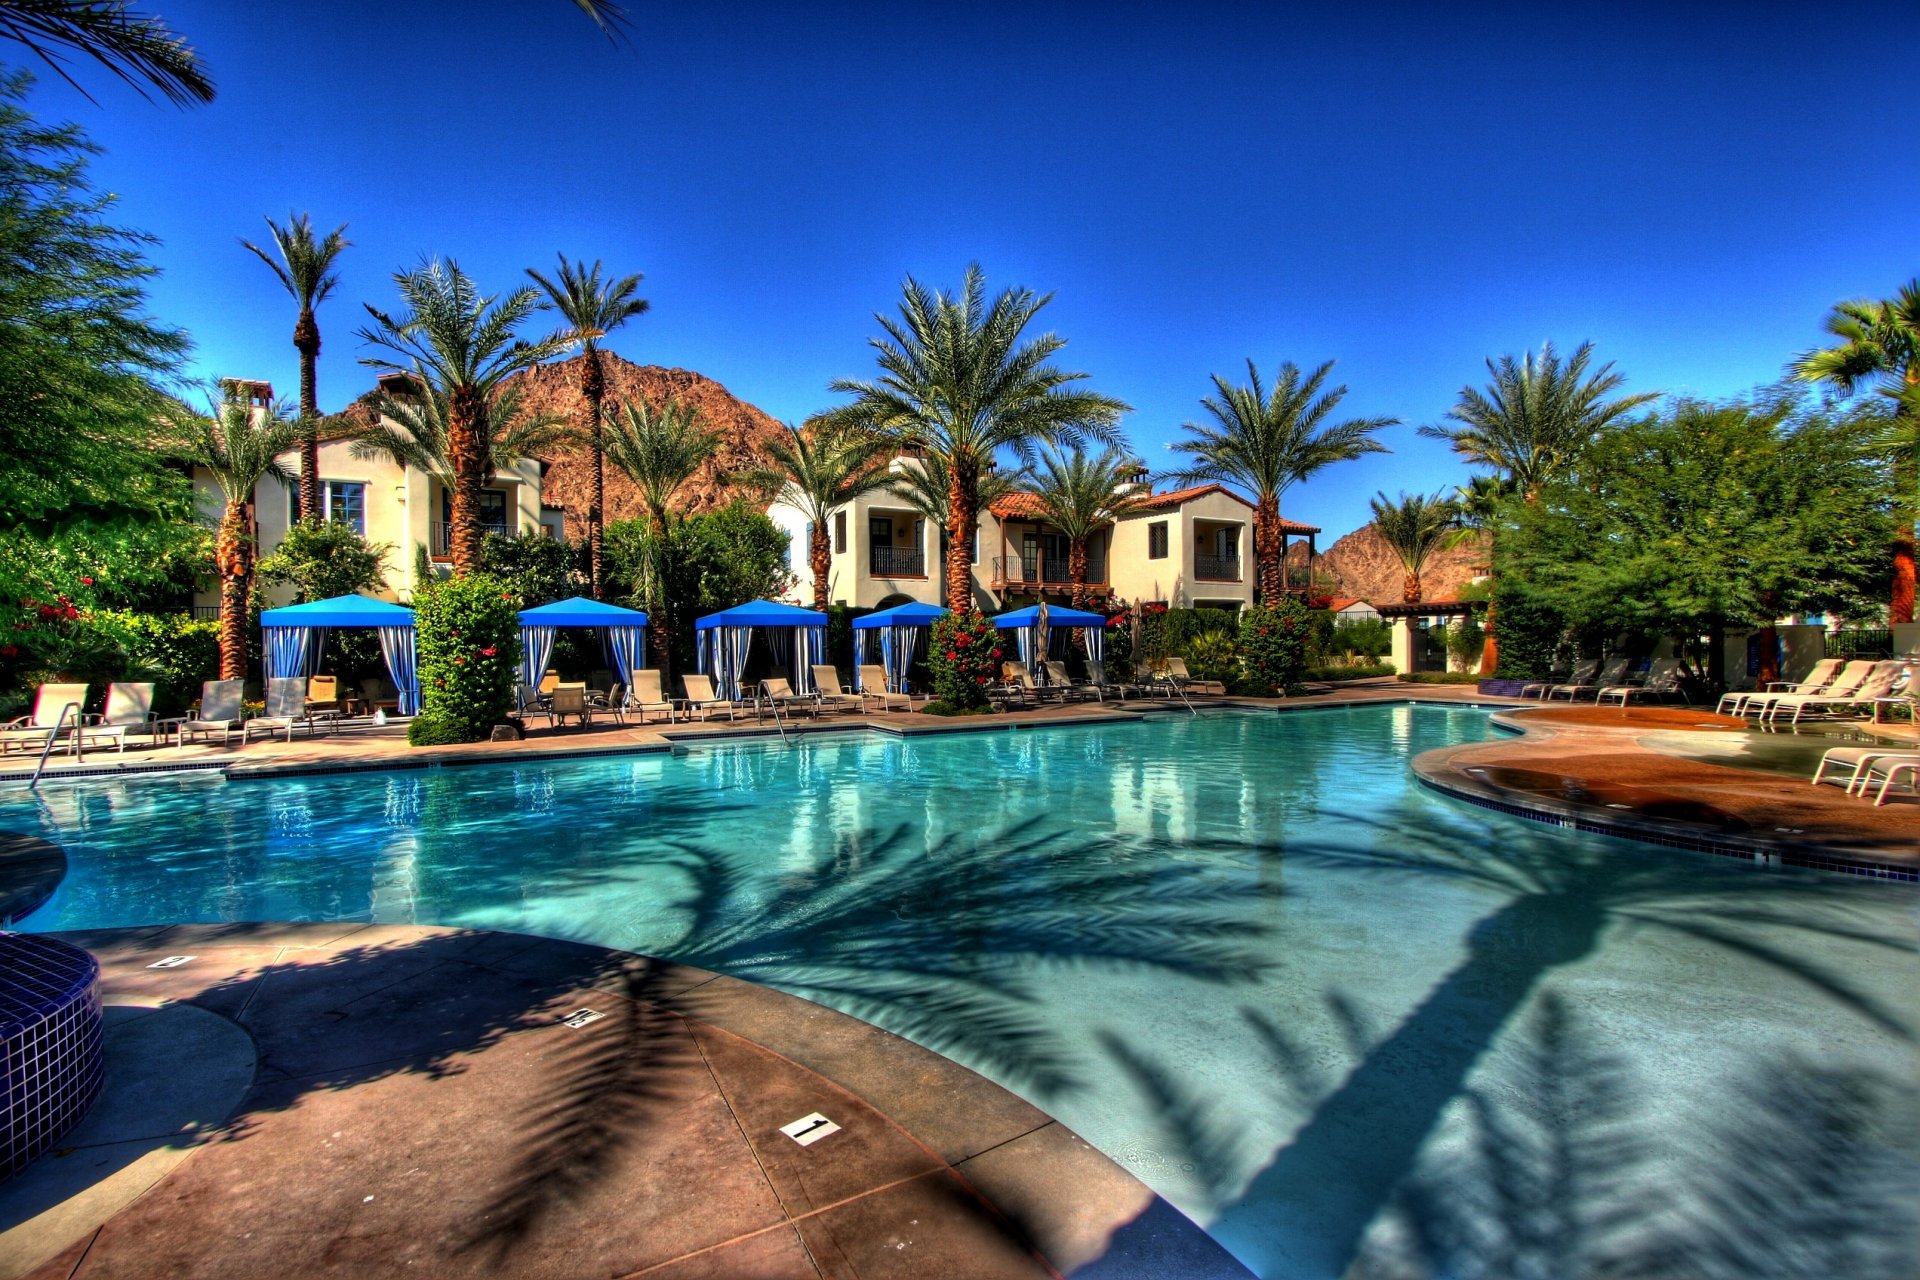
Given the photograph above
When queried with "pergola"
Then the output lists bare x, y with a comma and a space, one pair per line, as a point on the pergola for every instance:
292, 637
726, 641
1033, 626
622, 631
902, 632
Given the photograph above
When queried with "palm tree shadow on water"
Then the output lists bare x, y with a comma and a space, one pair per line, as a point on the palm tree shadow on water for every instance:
1308, 1210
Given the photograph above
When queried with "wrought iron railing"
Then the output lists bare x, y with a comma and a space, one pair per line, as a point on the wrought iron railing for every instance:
1014, 571
897, 562
1860, 642
440, 536
1217, 568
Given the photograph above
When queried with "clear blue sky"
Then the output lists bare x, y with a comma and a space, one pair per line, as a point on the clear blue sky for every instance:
1404, 188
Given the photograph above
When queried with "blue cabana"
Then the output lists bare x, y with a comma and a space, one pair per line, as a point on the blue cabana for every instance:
902, 633
1033, 628
726, 638
291, 639
623, 633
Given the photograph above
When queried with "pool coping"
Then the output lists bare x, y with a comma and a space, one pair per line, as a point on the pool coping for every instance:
1437, 771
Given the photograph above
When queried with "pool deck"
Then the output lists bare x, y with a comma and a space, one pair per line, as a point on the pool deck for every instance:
352, 1100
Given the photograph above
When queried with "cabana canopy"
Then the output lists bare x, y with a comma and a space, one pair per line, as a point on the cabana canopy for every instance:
623, 631
726, 637
902, 630
1038, 623
291, 638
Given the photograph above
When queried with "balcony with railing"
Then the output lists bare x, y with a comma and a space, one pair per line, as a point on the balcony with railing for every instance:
440, 537
1216, 568
1044, 573
897, 562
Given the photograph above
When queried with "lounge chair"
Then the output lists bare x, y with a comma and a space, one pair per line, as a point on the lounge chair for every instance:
1097, 674
1538, 689
1613, 673
548, 683
286, 707
701, 699
1880, 681
1759, 702
1662, 681
1177, 671
645, 696
55, 706
873, 688
1734, 702
777, 693
218, 709
1078, 690
129, 710
613, 700
1853, 766
831, 695
569, 700
1889, 769
323, 694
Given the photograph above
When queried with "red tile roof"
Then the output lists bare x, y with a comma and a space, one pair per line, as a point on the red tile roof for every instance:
1024, 506
1017, 506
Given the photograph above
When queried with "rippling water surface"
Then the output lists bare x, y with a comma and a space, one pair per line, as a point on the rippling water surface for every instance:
1352, 1027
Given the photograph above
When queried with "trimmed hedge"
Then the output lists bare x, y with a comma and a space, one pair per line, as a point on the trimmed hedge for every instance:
468, 633
1358, 671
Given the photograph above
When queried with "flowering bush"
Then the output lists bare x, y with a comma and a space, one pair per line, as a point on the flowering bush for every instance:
467, 631
1275, 642
964, 652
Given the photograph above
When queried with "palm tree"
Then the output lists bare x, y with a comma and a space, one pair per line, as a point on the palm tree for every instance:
1478, 503
957, 382
593, 307
1080, 495
305, 270
462, 345
136, 47
414, 430
1879, 342
1536, 415
659, 450
238, 442
1265, 443
924, 484
1415, 527
817, 471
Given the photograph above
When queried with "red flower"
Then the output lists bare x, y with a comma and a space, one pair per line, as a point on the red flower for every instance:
9, 650
996, 653
459, 662
487, 652
952, 656
86, 582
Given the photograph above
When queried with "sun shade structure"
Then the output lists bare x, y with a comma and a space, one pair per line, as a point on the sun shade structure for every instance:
623, 633
796, 638
902, 635
1033, 629
291, 639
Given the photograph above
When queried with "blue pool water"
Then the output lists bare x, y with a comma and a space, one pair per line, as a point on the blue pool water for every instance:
1352, 1027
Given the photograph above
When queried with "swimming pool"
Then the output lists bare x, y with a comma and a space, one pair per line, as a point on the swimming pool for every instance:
1350, 1026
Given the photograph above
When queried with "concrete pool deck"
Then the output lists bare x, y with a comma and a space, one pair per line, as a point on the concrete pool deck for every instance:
362, 1100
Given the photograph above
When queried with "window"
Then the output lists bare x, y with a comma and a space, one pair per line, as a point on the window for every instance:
493, 509
342, 500
1157, 540
839, 532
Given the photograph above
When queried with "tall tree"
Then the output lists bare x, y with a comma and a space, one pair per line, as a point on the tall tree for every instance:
462, 345
305, 270
238, 442
924, 484
1266, 442
138, 48
1414, 526
816, 471
960, 381
1080, 495
1879, 345
593, 307
659, 450
1537, 414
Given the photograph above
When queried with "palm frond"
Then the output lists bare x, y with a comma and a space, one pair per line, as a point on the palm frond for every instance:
591, 304
305, 264
658, 449
138, 48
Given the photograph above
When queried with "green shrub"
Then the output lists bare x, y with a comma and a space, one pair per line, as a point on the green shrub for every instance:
1527, 634
1466, 640
322, 559
468, 635
537, 569
938, 708
431, 731
1213, 655
1354, 671
1275, 641
1363, 637
1441, 677
965, 652
176, 652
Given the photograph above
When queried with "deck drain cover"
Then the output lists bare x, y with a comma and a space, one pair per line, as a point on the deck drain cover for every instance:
809, 1129
171, 962
581, 1017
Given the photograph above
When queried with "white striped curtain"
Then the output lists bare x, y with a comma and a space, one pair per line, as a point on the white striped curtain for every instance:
397, 647
536, 648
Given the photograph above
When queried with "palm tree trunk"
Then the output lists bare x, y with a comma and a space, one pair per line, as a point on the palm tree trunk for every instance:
1410, 588
466, 421
1267, 551
1490, 650
593, 386
1077, 576
659, 622
306, 340
820, 562
233, 558
963, 501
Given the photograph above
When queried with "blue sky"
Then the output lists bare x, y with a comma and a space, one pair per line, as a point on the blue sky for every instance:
1407, 189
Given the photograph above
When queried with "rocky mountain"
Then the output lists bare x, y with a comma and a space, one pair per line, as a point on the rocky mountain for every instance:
744, 431
1364, 566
